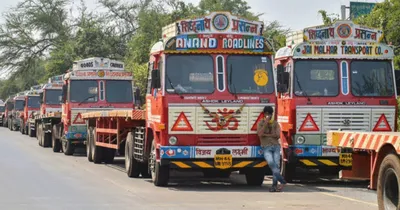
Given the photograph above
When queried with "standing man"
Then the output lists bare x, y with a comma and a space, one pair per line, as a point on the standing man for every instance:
268, 131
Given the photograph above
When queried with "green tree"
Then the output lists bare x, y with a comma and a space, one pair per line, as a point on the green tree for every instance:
328, 19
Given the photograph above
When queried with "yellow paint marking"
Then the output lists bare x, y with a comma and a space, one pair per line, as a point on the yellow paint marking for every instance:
180, 164
203, 164
328, 162
260, 165
308, 163
242, 164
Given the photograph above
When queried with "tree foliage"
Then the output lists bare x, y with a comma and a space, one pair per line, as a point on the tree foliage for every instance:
42, 38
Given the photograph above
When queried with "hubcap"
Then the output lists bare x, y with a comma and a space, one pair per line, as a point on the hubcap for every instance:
390, 190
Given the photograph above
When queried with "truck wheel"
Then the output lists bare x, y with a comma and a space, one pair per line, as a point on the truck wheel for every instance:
30, 132
22, 128
109, 155
288, 170
46, 139
132, 167
144, 170
255, 177
26, 130
388, 183
55, 142
68, 147
40, 135
89, 144
97, 151
159, 173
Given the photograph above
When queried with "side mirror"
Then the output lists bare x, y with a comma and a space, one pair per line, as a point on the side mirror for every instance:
155, 79
41, 98
60, 99
24, 103
64, 93
282, 79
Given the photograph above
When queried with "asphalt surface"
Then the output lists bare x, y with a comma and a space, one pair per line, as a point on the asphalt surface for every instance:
33, 178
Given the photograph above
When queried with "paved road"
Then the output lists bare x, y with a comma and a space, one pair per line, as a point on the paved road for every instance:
35, 178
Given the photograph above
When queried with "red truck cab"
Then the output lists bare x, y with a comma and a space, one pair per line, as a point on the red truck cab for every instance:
31, 106
338, 77
210, 79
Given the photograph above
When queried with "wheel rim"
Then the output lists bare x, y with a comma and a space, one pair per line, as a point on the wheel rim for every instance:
64, 145
127, 157
152, 161
390, 189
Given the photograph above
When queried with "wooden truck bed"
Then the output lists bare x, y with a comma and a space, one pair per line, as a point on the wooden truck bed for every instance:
131, 114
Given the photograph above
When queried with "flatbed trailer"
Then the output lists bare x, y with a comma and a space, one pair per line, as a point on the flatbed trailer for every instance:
375, 157
44, 124
115, 130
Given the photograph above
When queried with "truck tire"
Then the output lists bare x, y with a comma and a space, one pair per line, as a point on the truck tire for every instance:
109, 155
68, 147
388, 183
22, 130
40, 135
55, 142
47, 138
97, 151
144, 170
89, 144
30, 132
288, 170
132, 166
255, 176
159, 173
26, 130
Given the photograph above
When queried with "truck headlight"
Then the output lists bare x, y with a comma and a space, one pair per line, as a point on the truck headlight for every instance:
300, 140
173, 140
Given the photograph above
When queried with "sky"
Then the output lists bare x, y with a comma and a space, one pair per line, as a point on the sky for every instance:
293, 14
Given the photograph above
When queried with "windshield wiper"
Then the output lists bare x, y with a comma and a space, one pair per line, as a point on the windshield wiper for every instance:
301, 89
92, 96
170, 83
230, 81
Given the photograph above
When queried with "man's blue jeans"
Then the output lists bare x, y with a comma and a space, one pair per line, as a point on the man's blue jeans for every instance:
273, 157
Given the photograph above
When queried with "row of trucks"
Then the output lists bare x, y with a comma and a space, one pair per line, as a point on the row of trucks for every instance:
208, 81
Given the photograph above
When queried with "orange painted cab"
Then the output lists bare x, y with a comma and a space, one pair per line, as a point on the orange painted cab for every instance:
335, 77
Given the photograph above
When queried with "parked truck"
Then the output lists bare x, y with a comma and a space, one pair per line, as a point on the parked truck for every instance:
31, 105
9, 107
93, 84
14, 119
339, 77
49, 113
374, 157
2, 112
208, 81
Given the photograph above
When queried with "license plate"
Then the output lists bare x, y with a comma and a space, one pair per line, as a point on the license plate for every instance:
223, 161
345, 159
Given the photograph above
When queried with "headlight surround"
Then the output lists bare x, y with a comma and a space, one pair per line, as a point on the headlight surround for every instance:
173, 140
300, 140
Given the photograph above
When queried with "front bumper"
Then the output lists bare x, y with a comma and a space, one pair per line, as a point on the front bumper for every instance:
76, 132
318, 156
209, 157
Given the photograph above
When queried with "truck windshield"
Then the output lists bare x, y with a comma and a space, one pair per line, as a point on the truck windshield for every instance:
19, 105
2, 108
316, 78
189, 74
250, 74
119, 91
33, 101
51, 97
371, 78
10, 106
82, 91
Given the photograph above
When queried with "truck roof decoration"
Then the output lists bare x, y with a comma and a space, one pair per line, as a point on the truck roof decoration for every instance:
56, 79
218, 31
36, 87
342, 39
98, 68
98, 63
33, 92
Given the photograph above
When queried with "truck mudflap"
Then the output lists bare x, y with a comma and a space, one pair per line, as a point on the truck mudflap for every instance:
315, 156
207, 157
